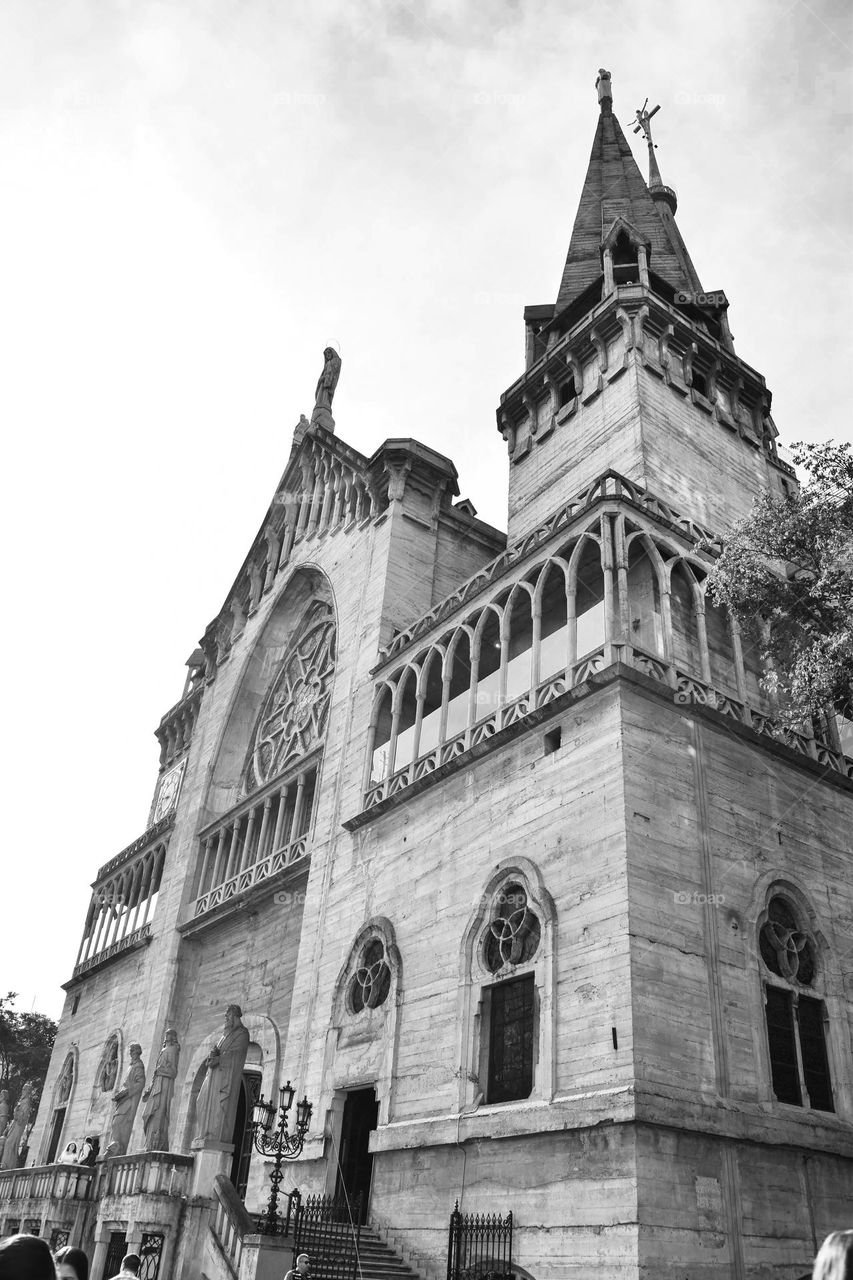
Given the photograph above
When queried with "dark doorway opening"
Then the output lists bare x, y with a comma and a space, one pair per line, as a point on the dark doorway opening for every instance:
250, 1087
115, 1252
355, 1161
55, 1131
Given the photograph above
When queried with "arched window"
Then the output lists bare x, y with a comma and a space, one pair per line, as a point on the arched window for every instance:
794, 1009
506, 990
369, 985
293, 716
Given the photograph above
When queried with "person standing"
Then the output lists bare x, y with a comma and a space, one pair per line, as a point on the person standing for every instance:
130, 1267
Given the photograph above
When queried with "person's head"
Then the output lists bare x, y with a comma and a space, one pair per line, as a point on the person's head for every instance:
72, 1146
171, 1036
72, 1264
303, 1264
136, 1051
835, 1257
26, 1258
131, 1262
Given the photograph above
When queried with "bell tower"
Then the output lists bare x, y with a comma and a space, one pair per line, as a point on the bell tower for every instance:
633, 367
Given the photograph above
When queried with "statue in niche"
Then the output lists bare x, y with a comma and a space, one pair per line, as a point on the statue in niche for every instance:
216, 1106
110, 1071
322, 414
125, 1103
17, 1129
63, 1087
158, 1096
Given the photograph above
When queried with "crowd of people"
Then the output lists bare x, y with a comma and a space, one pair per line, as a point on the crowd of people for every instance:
25, 1257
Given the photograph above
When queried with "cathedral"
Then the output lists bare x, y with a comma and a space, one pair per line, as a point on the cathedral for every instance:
483, 852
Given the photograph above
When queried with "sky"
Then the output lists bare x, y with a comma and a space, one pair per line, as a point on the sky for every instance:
199, 197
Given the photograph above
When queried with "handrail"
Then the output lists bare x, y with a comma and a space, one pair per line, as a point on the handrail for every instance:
231, 1222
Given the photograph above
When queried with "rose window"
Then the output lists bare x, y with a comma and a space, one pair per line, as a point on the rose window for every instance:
512, 935
293, 717
371, 981
787, 950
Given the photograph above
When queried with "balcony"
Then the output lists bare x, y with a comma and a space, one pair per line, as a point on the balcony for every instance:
150, 1173
124, 899
258, 840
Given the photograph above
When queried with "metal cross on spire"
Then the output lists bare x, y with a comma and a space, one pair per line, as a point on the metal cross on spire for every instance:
644, 124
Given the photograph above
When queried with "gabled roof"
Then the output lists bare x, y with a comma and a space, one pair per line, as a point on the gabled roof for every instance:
614, 188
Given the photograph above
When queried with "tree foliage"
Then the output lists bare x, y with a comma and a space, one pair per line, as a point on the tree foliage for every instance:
26, 1042
786, 574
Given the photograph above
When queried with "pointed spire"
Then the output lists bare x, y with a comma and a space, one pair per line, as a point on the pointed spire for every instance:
613, 188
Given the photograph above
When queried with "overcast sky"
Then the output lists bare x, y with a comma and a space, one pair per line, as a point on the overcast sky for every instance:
198, 197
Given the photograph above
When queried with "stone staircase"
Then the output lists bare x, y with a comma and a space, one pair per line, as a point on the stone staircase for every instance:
378, 1261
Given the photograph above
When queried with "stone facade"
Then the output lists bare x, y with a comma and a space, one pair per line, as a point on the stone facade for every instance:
541, 768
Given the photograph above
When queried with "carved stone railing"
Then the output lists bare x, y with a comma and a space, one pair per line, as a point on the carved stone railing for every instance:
231, 1223
258, 839
685, 689
154, 1173
139, 938
250, 876
52, 1182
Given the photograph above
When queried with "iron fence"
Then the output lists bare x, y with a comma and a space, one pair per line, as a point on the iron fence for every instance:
328, 1229
479, 1245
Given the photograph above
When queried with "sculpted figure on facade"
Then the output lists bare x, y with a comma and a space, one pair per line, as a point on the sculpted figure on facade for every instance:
63, 1086
110, 1070
328, 380
158, 1096
17, 1129
126, 1102
4, 1110
216, 1106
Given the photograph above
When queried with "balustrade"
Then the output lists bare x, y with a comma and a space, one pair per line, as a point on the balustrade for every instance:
593, 586
259, 838
155, 1173
46, 1183
231, 1222
123, 904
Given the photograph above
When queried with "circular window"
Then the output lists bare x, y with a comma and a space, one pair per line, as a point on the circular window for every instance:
786, 949
512, 935
371, 981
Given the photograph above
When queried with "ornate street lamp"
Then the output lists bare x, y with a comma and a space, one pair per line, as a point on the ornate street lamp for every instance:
278, 1143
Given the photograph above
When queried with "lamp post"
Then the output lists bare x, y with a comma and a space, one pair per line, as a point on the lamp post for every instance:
278, 1143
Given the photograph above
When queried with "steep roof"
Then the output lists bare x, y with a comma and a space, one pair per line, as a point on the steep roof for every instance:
615, 187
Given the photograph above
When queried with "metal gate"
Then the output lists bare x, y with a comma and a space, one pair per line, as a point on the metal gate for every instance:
479, 1245
328, 1229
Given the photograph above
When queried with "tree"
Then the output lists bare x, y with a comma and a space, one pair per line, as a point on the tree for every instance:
26, 1042
786, 575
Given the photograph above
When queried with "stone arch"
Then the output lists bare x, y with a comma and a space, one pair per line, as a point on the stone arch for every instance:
62, 1094
303, 587
264, 1033
474, 979
363, 1045
827, 987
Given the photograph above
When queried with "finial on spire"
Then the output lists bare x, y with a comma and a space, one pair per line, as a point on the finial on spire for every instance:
605, 93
